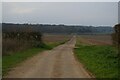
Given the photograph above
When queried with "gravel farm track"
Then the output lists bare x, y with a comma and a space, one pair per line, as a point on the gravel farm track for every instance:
56, 63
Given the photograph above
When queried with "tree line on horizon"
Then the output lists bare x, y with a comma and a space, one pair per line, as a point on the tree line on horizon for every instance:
57, 29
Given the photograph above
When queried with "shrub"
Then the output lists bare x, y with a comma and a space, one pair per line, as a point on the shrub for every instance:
116, 36
16, 41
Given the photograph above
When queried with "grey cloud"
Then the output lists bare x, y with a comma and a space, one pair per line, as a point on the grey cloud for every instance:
83, 13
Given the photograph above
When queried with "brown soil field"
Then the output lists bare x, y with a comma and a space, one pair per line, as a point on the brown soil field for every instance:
95, 39
48, 38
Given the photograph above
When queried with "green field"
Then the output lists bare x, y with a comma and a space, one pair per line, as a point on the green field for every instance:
101, 61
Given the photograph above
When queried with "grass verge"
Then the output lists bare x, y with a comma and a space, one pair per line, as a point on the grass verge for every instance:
12, 60
102, 61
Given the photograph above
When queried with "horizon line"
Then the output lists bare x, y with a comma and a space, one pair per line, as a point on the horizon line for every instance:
59, 24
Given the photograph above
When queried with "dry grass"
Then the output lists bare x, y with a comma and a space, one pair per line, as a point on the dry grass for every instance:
12, 45
95, 39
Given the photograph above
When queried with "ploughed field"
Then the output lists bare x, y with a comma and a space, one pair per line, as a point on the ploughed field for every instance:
55, 38
96, 39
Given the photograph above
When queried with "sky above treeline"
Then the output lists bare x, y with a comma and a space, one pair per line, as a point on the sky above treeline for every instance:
68, 13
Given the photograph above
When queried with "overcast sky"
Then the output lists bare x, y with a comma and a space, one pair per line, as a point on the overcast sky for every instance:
71, 13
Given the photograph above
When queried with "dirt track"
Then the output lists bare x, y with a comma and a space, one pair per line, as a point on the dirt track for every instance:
56, 63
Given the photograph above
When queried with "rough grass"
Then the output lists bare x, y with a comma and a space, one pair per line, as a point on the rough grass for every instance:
102, 61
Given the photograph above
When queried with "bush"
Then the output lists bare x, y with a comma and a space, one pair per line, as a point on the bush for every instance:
116, 36
16, 41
